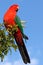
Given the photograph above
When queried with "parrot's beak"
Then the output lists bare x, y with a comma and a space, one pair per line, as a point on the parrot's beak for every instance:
17, 9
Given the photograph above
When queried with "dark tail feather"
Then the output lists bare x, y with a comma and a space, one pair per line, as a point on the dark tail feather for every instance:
24, 54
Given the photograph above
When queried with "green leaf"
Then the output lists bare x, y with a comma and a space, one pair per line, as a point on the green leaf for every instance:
6, 41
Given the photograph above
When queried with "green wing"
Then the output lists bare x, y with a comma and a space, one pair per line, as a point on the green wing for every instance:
18, 22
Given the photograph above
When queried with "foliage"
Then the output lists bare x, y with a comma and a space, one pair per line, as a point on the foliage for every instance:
6, 40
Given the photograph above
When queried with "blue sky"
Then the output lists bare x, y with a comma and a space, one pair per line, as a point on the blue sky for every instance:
32, 12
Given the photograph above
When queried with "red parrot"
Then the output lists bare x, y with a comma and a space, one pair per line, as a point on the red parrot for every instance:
11, 18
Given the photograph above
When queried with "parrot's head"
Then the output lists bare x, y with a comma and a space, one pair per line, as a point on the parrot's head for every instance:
11, 12
14, 7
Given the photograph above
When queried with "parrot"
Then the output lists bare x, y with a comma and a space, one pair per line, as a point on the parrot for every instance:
10, 18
